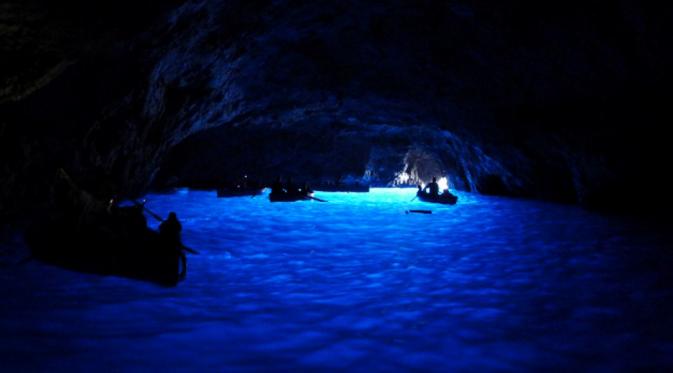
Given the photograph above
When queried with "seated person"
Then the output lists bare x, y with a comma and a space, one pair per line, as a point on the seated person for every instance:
306, 189
447, 193
277, 186
433, 186
291, 188
170, 230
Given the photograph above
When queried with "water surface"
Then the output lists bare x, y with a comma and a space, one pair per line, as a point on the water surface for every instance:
356, 283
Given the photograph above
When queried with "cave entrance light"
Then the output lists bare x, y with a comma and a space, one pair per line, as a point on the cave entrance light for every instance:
443, 183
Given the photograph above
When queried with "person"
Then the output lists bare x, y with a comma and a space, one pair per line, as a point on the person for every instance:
420, 190
306, 190
245, 183
112, 205
277, 186
169, 231
135, 219
291, 189
433, 186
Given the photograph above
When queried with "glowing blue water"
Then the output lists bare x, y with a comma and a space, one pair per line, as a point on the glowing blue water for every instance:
356, 283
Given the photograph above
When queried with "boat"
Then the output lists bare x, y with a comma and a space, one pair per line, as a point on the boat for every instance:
142, 256
87, 235
238, 192
444, 198
287, 197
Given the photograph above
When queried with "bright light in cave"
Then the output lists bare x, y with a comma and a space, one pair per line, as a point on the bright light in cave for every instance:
401, 178
443, 183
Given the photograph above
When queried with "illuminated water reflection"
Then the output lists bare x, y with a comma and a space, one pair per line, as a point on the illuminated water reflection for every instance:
356, 283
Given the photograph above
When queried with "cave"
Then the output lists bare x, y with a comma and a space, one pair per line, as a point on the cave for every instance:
546, 124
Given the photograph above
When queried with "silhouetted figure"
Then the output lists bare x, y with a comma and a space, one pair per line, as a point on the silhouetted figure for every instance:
306, 189
291, 188
171, 228
277, 186
170, 231
448, 195
244, 183
433, 186
112, 205
136, 218
420, 190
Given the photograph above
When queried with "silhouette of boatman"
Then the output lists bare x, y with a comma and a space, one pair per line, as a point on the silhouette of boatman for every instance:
169, 231
277, 186
433, 186
291, 188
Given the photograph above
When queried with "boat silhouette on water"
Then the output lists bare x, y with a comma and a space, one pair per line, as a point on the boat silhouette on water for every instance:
445, 198
88, 235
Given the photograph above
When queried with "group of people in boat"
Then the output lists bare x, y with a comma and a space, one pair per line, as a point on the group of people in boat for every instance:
431, 193
243, 186
85, 233
289, 190
170, 229
245, 183
169, 232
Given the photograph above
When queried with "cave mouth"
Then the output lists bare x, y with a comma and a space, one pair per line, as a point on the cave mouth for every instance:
420, 167
333, 153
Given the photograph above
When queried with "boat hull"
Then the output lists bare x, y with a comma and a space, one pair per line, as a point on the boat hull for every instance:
142, 255
443, 199
273, 197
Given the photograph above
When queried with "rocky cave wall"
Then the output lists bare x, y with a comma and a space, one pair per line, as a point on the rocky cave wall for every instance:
563, 100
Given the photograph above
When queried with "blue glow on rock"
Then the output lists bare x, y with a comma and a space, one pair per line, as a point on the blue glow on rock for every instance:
355, 283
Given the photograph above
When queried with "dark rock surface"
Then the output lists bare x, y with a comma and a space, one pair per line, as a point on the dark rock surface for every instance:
564, 101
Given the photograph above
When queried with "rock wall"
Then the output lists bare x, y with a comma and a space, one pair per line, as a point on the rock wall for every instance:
562, 100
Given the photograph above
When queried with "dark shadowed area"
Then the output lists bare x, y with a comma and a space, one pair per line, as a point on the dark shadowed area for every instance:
563, 101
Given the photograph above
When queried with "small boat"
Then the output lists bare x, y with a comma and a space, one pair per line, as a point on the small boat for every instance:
238, 192
109, 245
444, 198
87, 235
287, 197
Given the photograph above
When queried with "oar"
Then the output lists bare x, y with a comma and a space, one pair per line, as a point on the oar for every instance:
188, 249
156, 216
419, 211
152, 213
316, 199
412, 200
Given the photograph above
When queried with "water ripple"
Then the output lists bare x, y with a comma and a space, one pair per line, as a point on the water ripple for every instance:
356, 283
